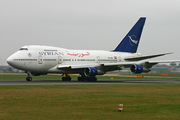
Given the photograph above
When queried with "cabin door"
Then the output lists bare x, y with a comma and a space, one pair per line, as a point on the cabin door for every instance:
119, 59
40, 60
98, 59
59, 60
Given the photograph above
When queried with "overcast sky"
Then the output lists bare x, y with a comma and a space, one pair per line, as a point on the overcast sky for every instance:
89, 24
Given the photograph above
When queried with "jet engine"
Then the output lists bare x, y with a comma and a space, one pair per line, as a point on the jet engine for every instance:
138, 69
91, 71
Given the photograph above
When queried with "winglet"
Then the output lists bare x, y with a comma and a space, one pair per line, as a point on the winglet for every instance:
131, 40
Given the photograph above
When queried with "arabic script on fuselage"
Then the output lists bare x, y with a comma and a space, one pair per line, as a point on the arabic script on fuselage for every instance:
78, 54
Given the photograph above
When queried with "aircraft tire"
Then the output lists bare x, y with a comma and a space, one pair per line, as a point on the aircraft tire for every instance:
85, 79
66, 78
82, 79
91, 79
69, 78
29, 78
79, 78
94, 79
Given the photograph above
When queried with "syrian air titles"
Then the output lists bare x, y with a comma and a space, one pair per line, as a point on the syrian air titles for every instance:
50, 53
53, 53
78, 54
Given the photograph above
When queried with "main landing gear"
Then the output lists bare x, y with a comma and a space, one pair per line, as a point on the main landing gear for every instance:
66, 78
29, 78
89, 79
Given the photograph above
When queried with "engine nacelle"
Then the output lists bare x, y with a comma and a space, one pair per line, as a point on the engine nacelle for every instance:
37, 74
91, 71
138, 69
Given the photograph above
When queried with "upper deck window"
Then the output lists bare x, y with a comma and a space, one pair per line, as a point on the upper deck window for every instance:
50, 50
23, 49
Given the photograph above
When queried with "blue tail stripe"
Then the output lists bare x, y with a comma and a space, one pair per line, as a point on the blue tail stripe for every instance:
131, 40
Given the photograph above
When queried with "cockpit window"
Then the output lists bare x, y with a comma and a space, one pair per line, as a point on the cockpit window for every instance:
23, 49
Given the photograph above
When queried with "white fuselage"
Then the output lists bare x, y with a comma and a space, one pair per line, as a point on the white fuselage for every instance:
45, 59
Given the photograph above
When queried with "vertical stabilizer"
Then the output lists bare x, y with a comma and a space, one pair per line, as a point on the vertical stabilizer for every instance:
131, 40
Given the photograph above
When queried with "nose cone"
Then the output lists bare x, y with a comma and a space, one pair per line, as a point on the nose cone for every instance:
10, 60
13, 60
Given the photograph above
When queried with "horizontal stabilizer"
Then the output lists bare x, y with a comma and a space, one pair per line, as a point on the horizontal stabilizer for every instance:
145, 57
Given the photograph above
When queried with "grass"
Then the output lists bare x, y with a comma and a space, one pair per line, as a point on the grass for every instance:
87, 102
67, 102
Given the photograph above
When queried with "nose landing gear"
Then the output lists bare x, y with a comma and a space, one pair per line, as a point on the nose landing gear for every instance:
29, 78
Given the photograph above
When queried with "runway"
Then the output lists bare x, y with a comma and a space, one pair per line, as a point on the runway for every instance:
58, 82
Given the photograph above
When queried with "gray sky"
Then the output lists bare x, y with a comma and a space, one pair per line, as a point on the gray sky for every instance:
89, 24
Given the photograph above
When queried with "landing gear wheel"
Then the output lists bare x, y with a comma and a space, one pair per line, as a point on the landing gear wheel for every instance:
63, 78
67, 78
89, 79
29, 78
94, 79
79, 78
82, 78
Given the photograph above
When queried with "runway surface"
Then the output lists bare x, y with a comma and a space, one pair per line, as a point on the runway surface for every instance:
58, 82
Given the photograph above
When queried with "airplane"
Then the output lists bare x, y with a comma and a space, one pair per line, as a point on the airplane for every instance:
38, 60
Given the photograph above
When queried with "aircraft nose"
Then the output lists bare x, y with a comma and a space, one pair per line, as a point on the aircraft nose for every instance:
9, 60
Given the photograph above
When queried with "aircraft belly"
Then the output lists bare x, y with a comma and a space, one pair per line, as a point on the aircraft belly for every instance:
69, 71
30, 66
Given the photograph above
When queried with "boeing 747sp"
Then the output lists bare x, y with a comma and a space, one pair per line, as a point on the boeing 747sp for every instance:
40, 60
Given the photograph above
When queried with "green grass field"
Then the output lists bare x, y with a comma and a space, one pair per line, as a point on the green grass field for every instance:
156, 101
87, 102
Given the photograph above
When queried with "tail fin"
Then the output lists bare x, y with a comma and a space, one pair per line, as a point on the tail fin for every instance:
131, 40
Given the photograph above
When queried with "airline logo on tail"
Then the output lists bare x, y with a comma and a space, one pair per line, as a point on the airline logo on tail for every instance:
132, 40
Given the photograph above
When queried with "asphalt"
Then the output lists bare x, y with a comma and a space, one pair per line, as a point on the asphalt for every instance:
58, 82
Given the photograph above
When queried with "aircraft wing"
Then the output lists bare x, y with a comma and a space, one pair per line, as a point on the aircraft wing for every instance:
76, 66
164, 61
151, 63
145, 57
115, 66
102, 66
